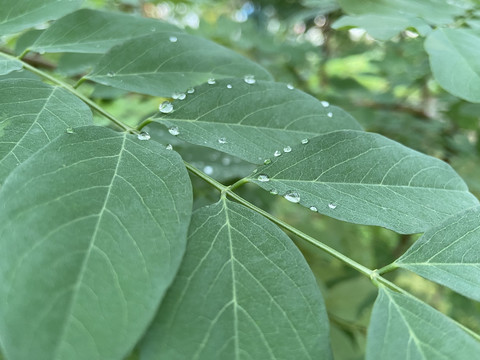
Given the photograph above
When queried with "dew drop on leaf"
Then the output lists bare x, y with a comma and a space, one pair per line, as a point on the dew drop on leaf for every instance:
249, 79
290, 86
304, 141
211, 81
287, 149
263, 178
179, 95
166, 107
190, 91
226, 161
69, 130
208, 170
229, 86
332, 206
274, 192
222, 140
330, 114
143, 136
325, 103
277, 153
267, 161
292, 196
110, 74
169, 147
173, 39
313, 208
174, 130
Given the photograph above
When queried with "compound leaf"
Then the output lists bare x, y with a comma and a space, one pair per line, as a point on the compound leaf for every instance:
366, 178
244, 291
252, 121
402, 327
449, 254
94, 227
32, 114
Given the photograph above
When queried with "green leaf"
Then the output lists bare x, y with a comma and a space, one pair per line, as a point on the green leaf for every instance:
160, 64
93, 31
73, 64
32, 114
454, 55
243, 291
9, 65
17, 15
449, 254
383, 26
402, 327
368, 179
93, 230
251, 121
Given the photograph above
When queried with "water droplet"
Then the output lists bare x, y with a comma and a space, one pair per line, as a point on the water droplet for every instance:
226, 161
173, 39
152, 29
274, 192
325, 103
290, 86
263, 178
211, 81
179, 95
110, 74
305, 141
287, 149
267, 161
330, 114
69, 130
222, 140
143, 136
174, 130
229, 86
313, 208
249, 79
277, 153
191, 91
208, 170
332, 206
169, 147
292, 196
166, 107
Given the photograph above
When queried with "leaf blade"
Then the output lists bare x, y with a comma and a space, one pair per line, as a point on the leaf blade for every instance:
93, 267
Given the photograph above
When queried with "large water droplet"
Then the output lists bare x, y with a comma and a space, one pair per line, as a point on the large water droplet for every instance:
143, 136
211, 81
313, 208
174, 130
169, 147
325, 103
263, 178
222, 140
166, 107
290, 86
249, 79
287, 149
332, 206
277, 153
330, 114
304, 141
173, 39
292, 196
208, 170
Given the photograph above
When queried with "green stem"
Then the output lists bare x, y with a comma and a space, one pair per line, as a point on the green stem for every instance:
388, 268
70, 89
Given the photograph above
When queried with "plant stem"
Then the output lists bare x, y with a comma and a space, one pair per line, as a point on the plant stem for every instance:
388, 268
70, 89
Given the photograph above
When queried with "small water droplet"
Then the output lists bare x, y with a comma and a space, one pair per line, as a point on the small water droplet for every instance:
208, 170
249, 79
267, 161
178, 95
222, 140
330, 114
169, 147
263, 178
287, 149
229, 86
274, 192
166, 107
191, 91
325, 103
290, 86
292, 196
313, 208
173, 39
110, 74
69, 130
211, 81
152, 29
332, 206
174, 130
277, 153
226, 161
143, 136
304, 141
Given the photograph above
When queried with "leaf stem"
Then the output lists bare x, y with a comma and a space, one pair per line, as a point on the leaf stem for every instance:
388, 268
70, 89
